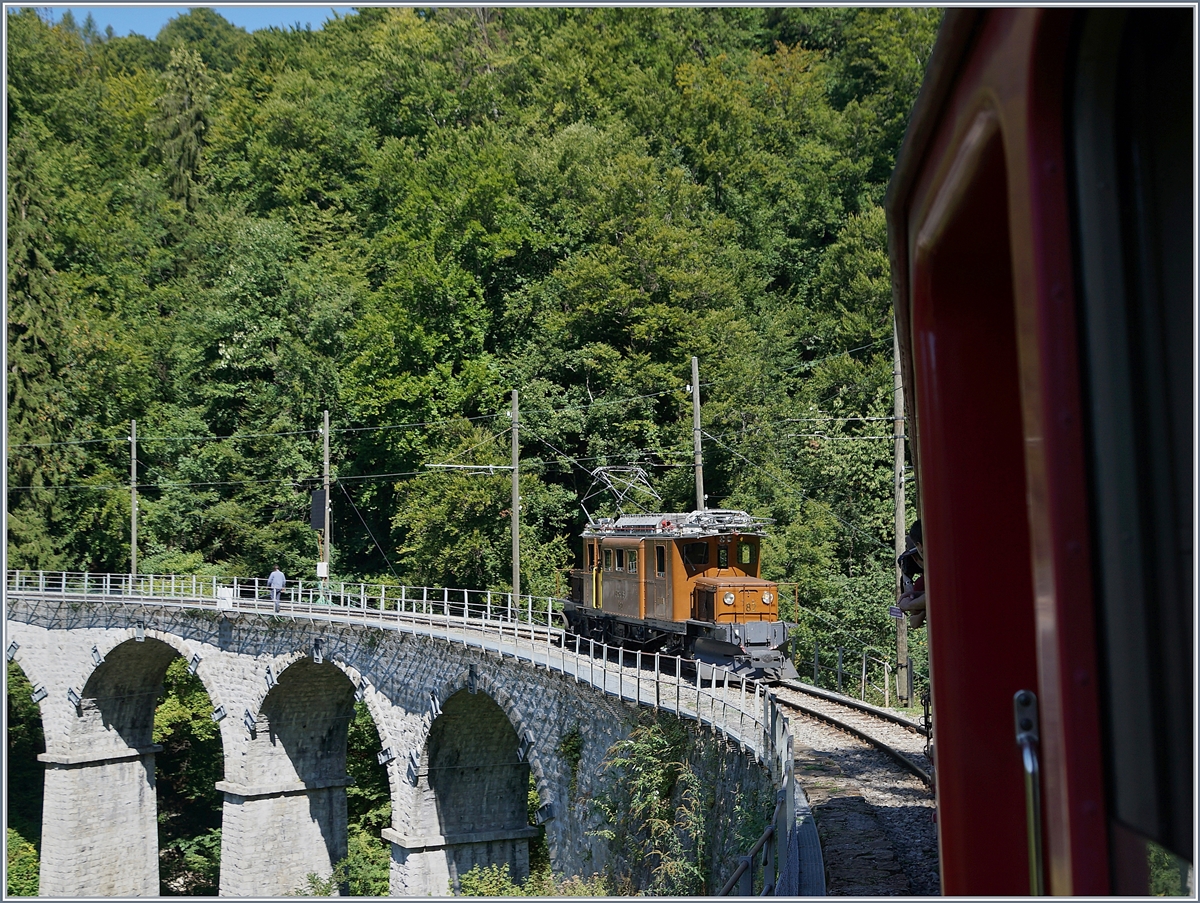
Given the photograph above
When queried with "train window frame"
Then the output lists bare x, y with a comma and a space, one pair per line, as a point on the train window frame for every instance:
660, 560
747, 553
620, 559
1131, 268
690, 548
631, 561
591, 546
608, 559
723, 556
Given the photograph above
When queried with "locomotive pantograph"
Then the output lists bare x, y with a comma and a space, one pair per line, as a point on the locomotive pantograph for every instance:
684, 584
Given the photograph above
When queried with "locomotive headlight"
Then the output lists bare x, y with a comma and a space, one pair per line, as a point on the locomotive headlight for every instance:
768, 598
727, 598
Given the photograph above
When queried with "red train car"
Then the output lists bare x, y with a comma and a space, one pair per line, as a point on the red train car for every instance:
1042, 239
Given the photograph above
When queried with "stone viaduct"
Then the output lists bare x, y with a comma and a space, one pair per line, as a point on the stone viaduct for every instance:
462, 727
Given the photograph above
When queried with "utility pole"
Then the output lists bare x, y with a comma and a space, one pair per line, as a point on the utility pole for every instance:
903, 677
699, 461
516, 504
326, 545
133, 498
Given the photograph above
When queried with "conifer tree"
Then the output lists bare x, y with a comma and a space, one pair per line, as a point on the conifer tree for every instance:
182, 122
38, 354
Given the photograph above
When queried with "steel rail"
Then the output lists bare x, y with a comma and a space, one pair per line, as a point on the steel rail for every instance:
900, 758
851, 703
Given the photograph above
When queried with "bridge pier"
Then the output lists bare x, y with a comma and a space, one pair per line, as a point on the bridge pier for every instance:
430, 866
273, 836
284, 814
100, 825
468, 804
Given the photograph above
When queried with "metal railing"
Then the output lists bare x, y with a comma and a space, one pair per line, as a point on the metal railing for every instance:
870, 665
231, 594
741, 882
518, 627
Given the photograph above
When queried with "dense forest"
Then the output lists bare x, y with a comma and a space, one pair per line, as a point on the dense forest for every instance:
406, 215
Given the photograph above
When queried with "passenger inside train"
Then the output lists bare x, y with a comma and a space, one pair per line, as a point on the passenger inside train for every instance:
912, 570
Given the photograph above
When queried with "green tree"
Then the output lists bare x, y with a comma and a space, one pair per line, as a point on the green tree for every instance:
182, 122
219, 44
40, 355
24, 774
186, 774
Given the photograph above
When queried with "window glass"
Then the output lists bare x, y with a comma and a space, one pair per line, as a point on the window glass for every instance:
660, 560
620, 559
632, 562
723, 557
695, 553
591, 556
747, 553
608, 559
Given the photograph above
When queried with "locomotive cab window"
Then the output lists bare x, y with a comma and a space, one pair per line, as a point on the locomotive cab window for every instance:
660, 561
747, 553
632, 561
608, 559
591, 556
696, 553
723, 557
620, 559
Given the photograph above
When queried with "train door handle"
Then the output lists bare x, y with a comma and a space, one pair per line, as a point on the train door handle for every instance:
1025, 715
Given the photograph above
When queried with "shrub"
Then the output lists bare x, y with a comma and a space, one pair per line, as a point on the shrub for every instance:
22, 866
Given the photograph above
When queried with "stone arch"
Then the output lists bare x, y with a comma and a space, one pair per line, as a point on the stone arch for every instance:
470, 804
286, 815
371, 696
485, 683
100, 778
29, 667
126, 649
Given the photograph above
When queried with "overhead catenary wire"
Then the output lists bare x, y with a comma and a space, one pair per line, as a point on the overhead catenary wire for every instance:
370, 532
569, 459
624, 399
798, 492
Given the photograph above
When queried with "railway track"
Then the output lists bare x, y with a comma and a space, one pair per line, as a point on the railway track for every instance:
867, 778
898, 737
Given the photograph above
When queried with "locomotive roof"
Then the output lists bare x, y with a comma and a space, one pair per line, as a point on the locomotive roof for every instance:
709, 522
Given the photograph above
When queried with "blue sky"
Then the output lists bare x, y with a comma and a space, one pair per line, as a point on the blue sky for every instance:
145, 19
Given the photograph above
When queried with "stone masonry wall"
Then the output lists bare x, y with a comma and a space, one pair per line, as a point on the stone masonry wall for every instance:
405, 682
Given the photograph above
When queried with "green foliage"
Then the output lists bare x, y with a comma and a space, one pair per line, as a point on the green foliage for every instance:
401, 217
186, 773
24, 778
488, 881
570, 747
24, 741
654, 813
368, 798
1168, 873
193, 864
546, 884
496, 881
363, 873
22, 868
183, 120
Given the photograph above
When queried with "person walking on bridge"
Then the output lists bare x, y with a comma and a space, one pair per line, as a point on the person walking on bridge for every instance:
276, 582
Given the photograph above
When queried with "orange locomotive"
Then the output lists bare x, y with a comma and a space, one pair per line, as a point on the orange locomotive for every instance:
683, 584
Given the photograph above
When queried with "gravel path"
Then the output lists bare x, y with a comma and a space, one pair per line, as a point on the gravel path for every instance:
875, 821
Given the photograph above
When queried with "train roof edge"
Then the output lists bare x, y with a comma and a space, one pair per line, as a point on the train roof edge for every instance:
709, 522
